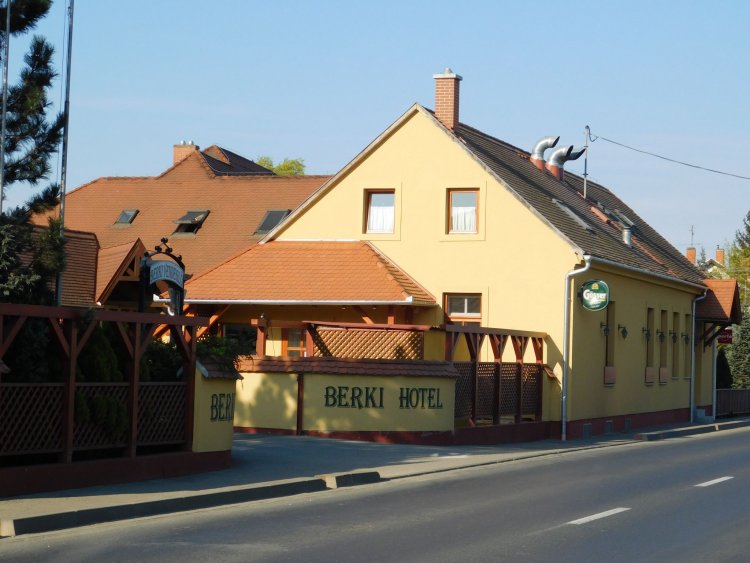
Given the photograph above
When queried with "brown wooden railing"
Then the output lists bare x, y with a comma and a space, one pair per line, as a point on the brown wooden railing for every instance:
731, 402
497, 392
40, 417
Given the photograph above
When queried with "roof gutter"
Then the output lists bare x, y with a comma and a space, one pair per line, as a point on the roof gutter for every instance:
692, 359
294, 302
647, 273
566, 345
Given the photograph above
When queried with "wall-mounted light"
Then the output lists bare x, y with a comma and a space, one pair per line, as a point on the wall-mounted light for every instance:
673, 335
604, 328
685, 338
647, 333
660, 334
623, 330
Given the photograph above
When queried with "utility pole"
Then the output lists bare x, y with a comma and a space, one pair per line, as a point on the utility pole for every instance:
6, 53
64, 165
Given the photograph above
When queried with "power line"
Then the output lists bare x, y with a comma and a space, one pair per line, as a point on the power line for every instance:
594, 138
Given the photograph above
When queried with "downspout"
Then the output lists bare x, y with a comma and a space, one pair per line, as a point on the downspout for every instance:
713, 402
566, 345
692, 358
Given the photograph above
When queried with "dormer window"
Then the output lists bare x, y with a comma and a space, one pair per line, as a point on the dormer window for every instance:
272, 218
191, 221
126, 217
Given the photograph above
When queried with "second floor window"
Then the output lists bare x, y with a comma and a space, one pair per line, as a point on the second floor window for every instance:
462, 211
464, 308
380, 211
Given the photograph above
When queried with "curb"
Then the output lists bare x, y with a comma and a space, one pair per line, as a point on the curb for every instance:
73, 519
691, 430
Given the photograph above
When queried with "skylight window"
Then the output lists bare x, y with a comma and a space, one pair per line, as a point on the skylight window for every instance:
271, 219
624, 219
573, 215
126, 217
191, 221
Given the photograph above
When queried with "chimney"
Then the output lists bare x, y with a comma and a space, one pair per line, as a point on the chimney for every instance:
559, 157
446, 98
627, 235
691, 255
720, 255
537, 153
184, 149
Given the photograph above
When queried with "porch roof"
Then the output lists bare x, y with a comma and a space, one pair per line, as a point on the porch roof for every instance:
308, 273
722, 303
347, 366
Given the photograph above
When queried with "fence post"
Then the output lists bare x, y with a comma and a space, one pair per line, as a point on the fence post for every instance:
70, 351
519, 347
134, 389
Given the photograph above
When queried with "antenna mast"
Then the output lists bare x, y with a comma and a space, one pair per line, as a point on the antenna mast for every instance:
586, 133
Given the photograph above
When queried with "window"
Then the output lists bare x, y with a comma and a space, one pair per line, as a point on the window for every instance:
462, 211
191, 221
293, 342
126, 217
465, 308
242, 336
675, 339
687, 340
380, 211
271, 219
650, 335
610, 333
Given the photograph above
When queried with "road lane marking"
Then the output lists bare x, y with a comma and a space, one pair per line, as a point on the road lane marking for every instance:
714, 482
593, 517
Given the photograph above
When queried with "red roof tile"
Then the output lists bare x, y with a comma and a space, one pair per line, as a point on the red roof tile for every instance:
722, 302
308, 272
347, 366
112, 261
237, 204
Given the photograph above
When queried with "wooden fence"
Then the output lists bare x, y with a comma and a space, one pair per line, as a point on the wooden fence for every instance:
732, 402
66, 416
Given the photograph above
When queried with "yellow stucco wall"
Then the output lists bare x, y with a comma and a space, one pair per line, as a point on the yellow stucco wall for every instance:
267, 400
214, 414
515, 261
369, 403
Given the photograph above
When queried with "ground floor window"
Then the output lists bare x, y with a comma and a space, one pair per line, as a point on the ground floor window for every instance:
244, 336
464, 308
293, 342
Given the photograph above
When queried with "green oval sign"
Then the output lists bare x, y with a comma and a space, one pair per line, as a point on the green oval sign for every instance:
595, 295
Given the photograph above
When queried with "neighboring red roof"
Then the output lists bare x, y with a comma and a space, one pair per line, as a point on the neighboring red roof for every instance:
78, 278
309, 272
347, 366
112, 262
722, 302
237, 202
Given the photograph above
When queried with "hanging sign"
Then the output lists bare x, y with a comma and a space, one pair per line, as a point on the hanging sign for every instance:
161, 270
595, 295
725, 336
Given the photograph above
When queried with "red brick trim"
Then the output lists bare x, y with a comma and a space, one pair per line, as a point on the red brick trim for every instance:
55, 477
637, 420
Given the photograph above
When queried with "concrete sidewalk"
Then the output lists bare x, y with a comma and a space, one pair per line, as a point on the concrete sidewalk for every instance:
266, 467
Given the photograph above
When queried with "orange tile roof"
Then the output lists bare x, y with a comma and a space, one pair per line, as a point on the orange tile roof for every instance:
78, 286
237, 204
722, 302
347, 366
308, 272
112, 261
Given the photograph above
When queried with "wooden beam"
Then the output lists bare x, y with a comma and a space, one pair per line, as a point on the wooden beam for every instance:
365, 317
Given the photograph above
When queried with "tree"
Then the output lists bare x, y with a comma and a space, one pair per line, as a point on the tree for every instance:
29, 259
738, 355
287, 167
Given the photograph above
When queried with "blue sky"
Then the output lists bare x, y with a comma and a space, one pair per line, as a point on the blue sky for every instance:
319, 80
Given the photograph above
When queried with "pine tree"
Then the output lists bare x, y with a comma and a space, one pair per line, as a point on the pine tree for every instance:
28, 258
738, 355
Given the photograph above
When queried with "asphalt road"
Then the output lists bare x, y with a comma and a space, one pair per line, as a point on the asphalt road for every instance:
685, 499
